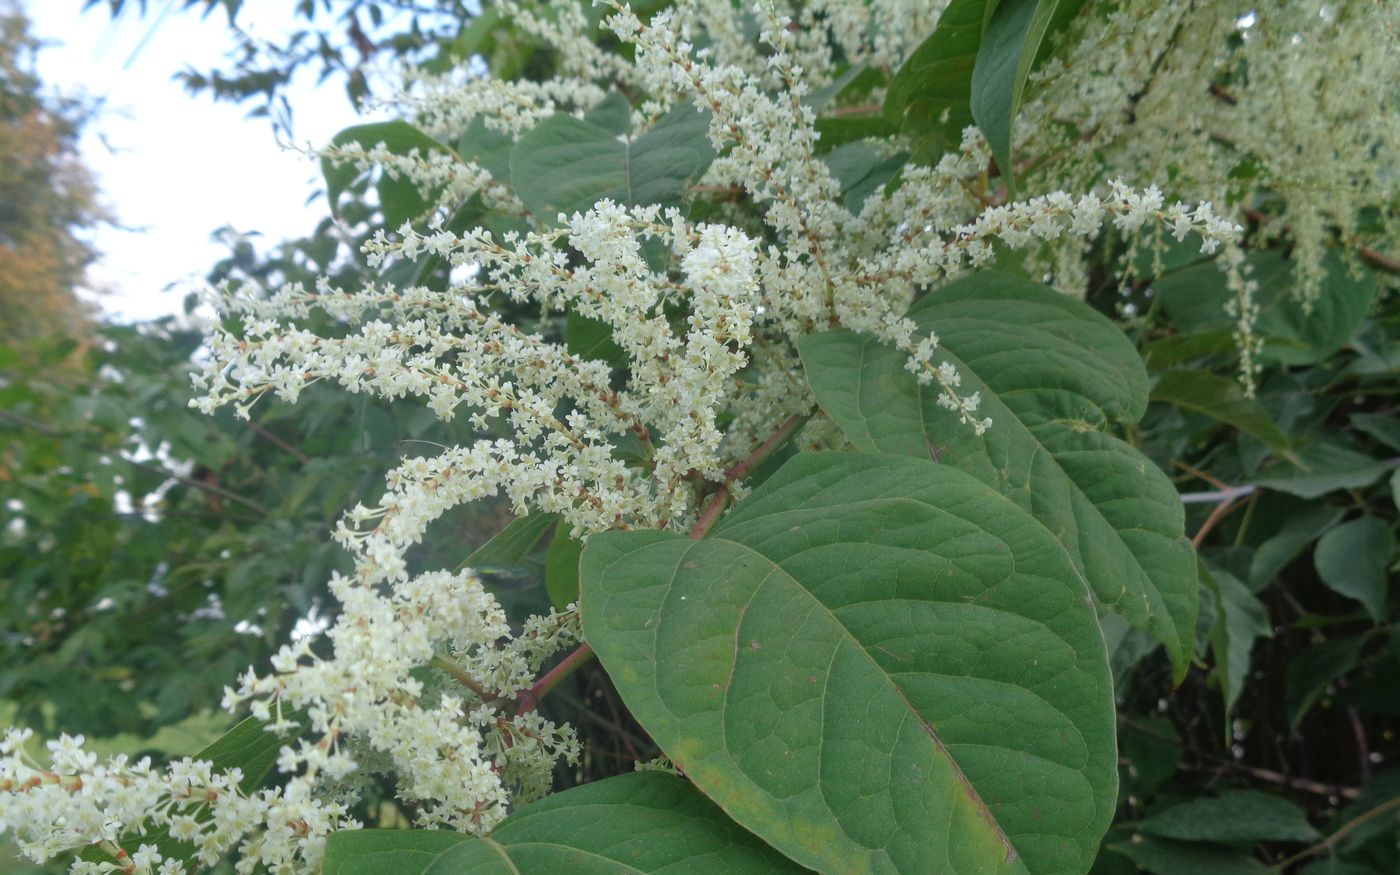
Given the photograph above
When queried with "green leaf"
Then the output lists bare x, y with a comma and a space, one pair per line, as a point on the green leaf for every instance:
613, 113
1010, 44
637, 823
1240, 619
1223, 400
514, 542
566, 165
861, 171
1353, 559
561, 569
1293, 538
399, 137
1170, 352
490, 149
592, 339
1320, 468
1053, 375
841, 130
1312, 670
1233, 816
1385, 429
875, 663
929, 98
1178, 858
1195, 297
818, 99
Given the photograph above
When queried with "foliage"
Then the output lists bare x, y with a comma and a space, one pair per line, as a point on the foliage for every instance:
873, 484
345, 40
47, 199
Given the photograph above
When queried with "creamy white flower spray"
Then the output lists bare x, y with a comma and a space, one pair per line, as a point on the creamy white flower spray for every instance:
707, 313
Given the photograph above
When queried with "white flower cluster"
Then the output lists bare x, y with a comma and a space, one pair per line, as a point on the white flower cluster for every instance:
1281, 109
118, 806
706, 314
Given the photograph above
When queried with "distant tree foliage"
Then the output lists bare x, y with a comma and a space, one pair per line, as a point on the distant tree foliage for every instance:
338, 38
47, 196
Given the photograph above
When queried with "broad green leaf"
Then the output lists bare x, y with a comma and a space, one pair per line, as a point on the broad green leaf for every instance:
819, 98
1233, 816
851, 163
928, 99
1222, 399
1314, 669
1385, 429
1353, 559
248, 746
1240, 619
566, 165
1293, 538
1195, 299
628, 825
1170, 352
876, 664
1009, 47
840, 130
861, 171
399, 137
612, 113
1322, 467
1162, 857
592, 339
490, 149
561, 569
1054, 376
514, 542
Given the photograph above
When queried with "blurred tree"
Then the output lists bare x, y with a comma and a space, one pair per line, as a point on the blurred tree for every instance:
337, 38
47, 196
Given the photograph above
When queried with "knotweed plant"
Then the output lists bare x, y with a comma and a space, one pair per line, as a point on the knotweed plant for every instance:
698, 239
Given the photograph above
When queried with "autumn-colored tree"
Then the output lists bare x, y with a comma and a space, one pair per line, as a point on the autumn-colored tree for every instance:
47, 196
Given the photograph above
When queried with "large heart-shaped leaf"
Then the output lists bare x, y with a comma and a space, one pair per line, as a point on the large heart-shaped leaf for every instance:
1054, 375
627, 825
877, 664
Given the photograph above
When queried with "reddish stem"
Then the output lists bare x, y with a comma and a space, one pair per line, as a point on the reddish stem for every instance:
741, 469
710, 515
530, 699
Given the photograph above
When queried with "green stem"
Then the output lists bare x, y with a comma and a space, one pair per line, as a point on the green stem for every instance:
461, 676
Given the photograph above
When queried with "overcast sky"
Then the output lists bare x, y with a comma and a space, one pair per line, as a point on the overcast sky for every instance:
171, 166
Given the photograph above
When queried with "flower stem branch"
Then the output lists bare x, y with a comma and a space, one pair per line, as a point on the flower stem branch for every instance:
461, 676
530, 699
718, 499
